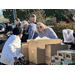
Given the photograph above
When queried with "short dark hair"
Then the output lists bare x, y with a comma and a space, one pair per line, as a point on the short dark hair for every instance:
17, 19
17, 30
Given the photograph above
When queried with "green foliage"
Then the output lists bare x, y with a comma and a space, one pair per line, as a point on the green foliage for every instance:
23, 14
56, 13
61, 26
8, 13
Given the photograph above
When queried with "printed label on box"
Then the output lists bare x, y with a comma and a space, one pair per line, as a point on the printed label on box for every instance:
47, 58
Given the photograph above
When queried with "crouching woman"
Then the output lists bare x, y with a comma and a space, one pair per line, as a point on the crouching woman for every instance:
12, 48
45, 31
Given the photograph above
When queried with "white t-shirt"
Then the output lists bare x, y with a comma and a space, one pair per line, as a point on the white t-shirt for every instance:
11, 49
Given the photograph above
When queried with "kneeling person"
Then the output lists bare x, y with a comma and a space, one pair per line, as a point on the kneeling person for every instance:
12, 48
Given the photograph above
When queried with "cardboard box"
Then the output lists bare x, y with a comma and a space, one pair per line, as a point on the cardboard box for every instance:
29, 40
36, 55
41, 43
70, 56
51, 50
1, 35
37, 49
61, 53
58, 59
25, 50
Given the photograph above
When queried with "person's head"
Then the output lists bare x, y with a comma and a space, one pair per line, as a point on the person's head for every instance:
25, 25
6, 27
18, 31
74, 17
17, 21
41, 27
33, 18
6, 24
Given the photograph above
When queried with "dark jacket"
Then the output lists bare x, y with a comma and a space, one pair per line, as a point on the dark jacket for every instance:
25, 36
8, 28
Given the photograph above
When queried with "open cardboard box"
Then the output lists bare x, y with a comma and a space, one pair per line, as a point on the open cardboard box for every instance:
37, 49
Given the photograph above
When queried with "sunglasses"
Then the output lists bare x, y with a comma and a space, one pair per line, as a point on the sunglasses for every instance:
39, 27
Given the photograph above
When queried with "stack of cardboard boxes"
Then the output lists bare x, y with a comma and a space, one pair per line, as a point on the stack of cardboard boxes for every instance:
34, 50
64, 55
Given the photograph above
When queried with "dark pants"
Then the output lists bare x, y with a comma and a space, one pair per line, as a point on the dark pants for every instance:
24, 38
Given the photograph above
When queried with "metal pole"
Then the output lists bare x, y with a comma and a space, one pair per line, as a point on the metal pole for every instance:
14, 13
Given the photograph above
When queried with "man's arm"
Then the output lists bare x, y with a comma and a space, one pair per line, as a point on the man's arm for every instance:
31, 32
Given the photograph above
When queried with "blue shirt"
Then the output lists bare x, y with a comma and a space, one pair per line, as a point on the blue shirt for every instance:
32, 30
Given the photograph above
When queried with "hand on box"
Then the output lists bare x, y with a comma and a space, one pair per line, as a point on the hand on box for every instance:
25, 60
16, 60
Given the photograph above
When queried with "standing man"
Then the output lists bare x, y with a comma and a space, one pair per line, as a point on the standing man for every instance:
33, 19
17, 22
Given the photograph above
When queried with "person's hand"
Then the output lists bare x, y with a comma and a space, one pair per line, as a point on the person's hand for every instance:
11, 32
25, 60
16, 60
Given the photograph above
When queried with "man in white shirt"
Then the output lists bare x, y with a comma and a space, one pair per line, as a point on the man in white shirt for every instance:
12, 48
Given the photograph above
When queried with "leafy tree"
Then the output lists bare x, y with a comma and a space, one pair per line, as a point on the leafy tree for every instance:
8, 13
58, 13
24, 14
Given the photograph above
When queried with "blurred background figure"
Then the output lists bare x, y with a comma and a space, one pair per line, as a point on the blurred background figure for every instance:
33, 19
8, 28
17, 22
24, 26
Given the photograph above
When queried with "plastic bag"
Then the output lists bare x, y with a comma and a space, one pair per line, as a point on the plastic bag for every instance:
68, 35
38, 38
